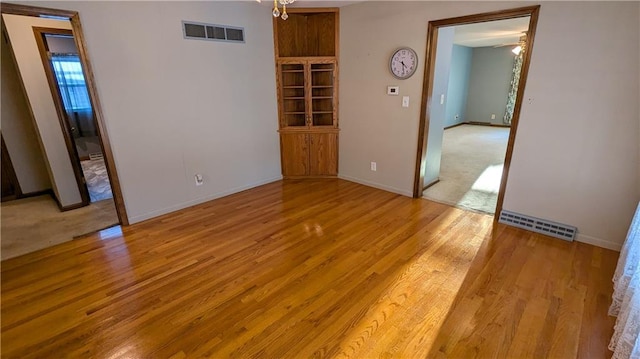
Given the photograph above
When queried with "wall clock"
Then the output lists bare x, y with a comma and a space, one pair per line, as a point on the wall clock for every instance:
403, 63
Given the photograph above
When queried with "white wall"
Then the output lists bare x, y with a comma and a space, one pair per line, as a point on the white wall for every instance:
20, 31
17, 129
176, 107
575, 159
374, 126
489, 84
576, 155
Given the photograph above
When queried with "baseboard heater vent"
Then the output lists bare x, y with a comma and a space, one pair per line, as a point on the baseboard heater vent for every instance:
542, 226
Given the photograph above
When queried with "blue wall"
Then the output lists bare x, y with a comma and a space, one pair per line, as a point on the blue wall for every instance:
437, 113
489, 83
461, 58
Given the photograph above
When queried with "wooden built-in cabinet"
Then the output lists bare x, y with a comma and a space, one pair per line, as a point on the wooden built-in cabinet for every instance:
308, 93
309, 153
306, 48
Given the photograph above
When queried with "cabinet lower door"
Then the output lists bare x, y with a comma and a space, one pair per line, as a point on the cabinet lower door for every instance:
323, 154
294, 149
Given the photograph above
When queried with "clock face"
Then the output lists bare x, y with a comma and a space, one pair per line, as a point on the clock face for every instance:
404, 63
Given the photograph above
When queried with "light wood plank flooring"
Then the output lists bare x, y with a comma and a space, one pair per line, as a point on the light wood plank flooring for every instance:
299, 269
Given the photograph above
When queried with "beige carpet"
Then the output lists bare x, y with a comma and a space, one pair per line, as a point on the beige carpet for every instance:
471, 168
34, 223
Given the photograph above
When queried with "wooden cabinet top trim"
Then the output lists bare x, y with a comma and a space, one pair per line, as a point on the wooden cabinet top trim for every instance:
313, 59
304, 129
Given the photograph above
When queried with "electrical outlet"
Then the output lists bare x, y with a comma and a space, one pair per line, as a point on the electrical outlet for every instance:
199, 179
493, 116
457, 116
373, 166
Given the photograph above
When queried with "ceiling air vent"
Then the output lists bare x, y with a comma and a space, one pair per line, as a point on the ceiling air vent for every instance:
212, 32
542, 226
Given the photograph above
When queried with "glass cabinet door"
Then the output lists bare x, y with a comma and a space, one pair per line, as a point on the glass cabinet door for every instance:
322, 94
293, 95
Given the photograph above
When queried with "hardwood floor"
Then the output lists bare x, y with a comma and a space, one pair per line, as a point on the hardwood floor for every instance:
314, 268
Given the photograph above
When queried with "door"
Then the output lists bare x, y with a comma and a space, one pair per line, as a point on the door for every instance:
294, 151
323, 154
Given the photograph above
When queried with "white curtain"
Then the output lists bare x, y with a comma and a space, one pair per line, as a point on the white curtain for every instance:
626, 296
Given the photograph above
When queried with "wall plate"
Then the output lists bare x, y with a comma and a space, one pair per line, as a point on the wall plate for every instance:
393, 90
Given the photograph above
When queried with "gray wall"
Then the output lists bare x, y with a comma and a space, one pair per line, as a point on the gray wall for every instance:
461, 58
584, 172
489, 81
87, 146
588, 178
174, 108
64, 45
18, 131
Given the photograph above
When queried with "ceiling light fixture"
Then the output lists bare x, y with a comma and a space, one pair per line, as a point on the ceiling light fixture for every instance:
276, 11
522, 43
516, 50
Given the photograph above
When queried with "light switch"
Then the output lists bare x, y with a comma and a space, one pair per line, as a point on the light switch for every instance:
442, 99
405, 101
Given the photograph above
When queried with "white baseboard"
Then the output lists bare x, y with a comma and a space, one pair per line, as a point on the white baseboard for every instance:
177, 207
599, 242
376, 185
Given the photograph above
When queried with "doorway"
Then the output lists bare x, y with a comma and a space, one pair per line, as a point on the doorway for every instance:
98, 121
432, 119
481, 66
56, 112
65, 74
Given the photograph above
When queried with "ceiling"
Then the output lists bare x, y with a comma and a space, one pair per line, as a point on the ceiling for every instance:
491, 33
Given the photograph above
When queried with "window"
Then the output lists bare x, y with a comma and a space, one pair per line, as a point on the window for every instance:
71, 82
